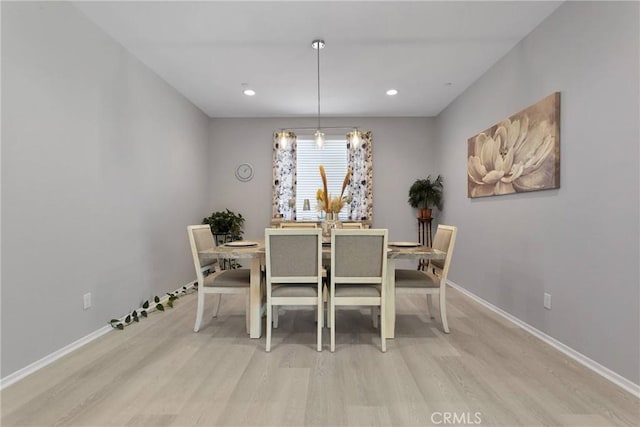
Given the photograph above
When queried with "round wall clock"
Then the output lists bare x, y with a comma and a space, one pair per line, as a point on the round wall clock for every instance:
244, 172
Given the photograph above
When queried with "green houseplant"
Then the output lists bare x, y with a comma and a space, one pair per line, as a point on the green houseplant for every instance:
225, 225
424, 194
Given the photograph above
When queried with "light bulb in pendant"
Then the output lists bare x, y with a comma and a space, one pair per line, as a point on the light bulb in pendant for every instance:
355, 139
319, 139
283, 140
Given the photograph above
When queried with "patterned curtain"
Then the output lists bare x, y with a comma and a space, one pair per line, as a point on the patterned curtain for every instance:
284, 176
361, 187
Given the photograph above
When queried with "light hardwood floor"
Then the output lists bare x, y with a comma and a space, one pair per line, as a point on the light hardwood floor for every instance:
159, 372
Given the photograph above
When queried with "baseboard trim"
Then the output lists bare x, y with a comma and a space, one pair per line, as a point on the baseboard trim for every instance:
603, 371
52, 357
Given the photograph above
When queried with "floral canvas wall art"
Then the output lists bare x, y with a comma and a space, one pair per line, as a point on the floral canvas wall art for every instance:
519, 154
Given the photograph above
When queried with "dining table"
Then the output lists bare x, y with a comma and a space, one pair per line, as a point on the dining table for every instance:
254, 253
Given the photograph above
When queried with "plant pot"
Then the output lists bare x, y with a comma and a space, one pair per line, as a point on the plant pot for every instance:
425, 213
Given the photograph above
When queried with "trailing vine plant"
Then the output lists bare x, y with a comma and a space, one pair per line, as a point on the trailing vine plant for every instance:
146, 306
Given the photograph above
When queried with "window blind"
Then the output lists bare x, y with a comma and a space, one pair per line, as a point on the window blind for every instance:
334, 158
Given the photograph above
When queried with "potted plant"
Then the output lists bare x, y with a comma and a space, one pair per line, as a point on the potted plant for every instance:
425, 194
226, 226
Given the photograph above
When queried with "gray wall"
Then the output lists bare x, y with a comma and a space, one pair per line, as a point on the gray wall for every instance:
401, 153
103, 166
580, 242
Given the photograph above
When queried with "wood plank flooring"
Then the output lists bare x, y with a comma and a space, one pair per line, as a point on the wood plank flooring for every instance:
159, 373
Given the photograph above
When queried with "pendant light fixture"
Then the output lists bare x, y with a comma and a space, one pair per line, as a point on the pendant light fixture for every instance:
284, 141
319, 135
355, 138
284, 136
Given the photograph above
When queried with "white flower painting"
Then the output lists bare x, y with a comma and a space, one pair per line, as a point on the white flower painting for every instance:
519, 154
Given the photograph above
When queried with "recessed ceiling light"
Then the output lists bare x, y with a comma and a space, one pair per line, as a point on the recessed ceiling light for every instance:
392, 92
249, 92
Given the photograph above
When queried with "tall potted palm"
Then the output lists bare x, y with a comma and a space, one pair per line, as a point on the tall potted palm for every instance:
424, 194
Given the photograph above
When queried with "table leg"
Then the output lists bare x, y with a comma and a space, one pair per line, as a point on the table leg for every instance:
255, 300
390, 309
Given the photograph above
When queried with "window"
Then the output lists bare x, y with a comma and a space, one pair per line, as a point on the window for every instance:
334, 157
296, 177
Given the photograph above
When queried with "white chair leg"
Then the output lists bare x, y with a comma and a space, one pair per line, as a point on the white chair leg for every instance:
276, 310
430, 307
320, 312
200, 311
269, 311
333, 326
374, 316
383, 331
325, 305
215, 313
325, 310
443, 312
328, 314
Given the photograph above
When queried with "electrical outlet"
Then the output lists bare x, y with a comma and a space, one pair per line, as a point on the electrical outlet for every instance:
547, 301
87, 301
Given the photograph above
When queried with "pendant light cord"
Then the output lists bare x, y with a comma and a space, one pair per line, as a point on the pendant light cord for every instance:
318, 49
320, 44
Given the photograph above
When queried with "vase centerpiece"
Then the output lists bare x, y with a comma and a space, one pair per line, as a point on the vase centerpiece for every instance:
330, 207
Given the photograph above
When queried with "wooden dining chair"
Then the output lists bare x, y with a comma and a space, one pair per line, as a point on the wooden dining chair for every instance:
358, 273
352, 226
289, 225
298, 225
432, 281
211, 279
294, 272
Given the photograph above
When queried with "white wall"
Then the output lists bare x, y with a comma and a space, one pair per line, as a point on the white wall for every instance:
401, 154
580, 242
103, 166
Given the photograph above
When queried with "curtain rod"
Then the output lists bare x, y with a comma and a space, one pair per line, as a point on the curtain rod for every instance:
324, 127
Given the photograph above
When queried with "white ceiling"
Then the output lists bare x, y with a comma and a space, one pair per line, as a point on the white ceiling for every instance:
207, 50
